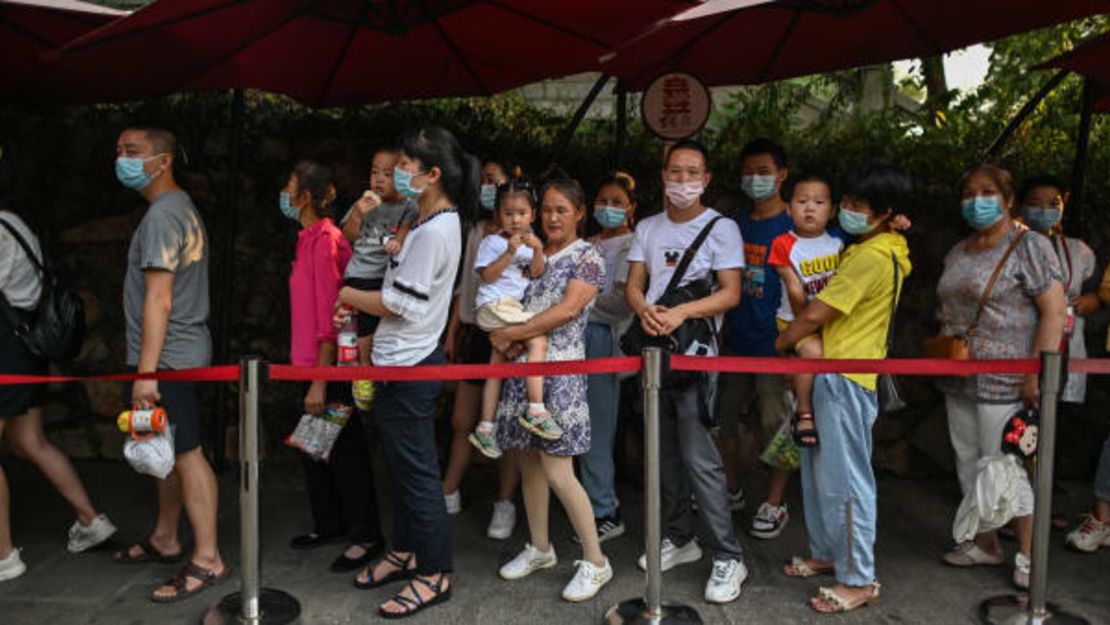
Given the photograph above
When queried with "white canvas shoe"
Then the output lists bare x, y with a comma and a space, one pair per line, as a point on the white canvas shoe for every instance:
12, 566
673, 556
85, 537
588, 580
527, 562
503, 521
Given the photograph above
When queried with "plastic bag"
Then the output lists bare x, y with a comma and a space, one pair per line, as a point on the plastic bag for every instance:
315, 435
1001, 493
782, 452
151, 455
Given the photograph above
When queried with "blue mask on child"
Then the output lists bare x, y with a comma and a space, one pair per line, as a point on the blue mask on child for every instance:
982, 211
285, 203
402, 180
853, 223
488, 196
758, 188
130, 172
610, 216
1041, 219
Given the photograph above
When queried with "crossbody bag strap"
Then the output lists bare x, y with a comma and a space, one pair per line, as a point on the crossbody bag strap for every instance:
1022, 230
26, 247
688, 257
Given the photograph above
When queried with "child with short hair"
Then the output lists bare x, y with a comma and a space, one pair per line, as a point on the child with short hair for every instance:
375, 226
507, 261
805, 259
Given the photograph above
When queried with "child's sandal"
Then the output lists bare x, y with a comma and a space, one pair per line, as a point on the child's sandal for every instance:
807, 437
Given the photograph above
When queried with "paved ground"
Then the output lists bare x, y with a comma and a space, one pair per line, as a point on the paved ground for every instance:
60, 589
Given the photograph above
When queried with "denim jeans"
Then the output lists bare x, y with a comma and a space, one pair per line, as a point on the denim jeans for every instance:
838, 484
405, 415
603, 395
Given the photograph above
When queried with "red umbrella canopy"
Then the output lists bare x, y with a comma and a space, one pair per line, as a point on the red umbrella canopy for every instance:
351, 51
1090, 60
789, 38
29, 28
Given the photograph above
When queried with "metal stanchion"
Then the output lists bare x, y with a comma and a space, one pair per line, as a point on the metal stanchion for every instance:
1034, 609
252, 605
650, 608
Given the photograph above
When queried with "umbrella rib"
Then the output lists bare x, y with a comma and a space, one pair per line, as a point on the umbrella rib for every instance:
676, 56
342, 56
28, 33
763, 73
458, 53
917, 27
137, 31
552, 25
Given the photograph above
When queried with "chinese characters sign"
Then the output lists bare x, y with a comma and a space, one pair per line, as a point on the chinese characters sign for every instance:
675, 106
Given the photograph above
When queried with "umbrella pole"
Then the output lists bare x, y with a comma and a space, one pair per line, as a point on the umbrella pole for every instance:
996, 146
622, 125
568, 133
1079, 167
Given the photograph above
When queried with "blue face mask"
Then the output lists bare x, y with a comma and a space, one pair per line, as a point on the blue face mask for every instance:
403, 181
982, 211
853, 223
610, 216
758, 188
1041, 219
285, 203
130, 172
488, 196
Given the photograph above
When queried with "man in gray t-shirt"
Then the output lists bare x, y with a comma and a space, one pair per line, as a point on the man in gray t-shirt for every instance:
165, 303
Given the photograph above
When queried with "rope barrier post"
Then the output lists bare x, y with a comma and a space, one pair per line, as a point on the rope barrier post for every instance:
1034, 608
252, 605
650, 608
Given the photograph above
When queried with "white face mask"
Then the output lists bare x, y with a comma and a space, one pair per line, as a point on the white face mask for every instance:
683, 195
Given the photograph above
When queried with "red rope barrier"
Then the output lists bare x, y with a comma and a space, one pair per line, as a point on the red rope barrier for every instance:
896, 366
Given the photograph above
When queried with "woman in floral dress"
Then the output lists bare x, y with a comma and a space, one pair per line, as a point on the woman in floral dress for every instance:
562, 298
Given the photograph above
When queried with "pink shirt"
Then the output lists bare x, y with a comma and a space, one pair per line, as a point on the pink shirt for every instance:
322, 255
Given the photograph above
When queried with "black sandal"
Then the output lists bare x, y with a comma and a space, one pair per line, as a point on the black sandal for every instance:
804, 438
412, 606
180, 585
149, 553
403, 571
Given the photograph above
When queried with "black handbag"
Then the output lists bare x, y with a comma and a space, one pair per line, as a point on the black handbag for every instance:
887, 388
57, 329
694, 336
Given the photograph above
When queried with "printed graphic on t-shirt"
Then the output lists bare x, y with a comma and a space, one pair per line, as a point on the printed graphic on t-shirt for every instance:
814, 260
672, 256
525, 267
755, 259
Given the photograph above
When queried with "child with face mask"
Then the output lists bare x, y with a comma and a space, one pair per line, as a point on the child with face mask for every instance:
805, 259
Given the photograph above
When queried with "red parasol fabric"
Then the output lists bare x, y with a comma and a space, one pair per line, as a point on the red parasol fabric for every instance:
30, 28
788, 38
1090, 60
349, 51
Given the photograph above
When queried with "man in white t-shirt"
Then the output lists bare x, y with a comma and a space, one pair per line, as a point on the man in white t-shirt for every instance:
689, 459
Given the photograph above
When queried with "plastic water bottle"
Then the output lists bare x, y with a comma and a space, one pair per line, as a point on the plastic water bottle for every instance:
140, 422
347, 342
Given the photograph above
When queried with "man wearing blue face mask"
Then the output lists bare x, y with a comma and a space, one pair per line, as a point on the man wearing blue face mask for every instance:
165, 302
751, 331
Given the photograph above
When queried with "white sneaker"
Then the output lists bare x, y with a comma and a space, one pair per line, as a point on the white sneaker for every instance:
587, 581
528, 561
12, 566
724, 583
85, 537
969, 554
1090, 535
503, 521
454, 503
672, 556
1022, 567
769, 521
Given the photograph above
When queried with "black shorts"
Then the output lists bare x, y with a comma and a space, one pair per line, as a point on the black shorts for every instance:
476, 350
182, 403
16, 359
367, 323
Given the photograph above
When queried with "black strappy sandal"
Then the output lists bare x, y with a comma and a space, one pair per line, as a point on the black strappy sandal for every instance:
413, 606
804, 438
147, 553
403, 572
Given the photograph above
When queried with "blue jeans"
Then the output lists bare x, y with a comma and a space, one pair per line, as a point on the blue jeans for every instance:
1102, 478
603, 395
405, 416
838, 484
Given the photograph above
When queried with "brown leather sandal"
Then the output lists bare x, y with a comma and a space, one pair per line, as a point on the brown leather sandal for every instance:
180, 583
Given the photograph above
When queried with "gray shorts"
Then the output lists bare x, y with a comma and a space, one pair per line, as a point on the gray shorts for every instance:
743, 396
